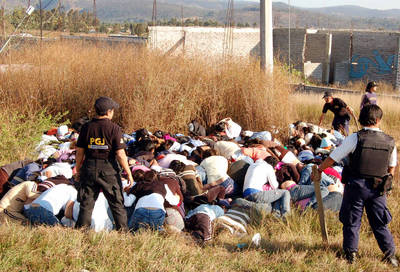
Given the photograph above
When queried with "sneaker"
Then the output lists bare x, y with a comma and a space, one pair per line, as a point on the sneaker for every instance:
391, 259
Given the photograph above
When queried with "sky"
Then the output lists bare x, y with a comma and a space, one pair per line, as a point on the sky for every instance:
373, 4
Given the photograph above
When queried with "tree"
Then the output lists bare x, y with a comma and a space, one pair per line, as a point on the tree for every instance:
140, 29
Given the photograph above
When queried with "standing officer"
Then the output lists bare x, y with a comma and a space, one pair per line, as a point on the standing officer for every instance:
372, 160
100, 148
341, 111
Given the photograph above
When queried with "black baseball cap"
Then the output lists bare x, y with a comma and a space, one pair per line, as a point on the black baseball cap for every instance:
327, 94
371, 84
103, 104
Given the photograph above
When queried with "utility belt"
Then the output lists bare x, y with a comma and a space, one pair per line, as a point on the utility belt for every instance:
382, 184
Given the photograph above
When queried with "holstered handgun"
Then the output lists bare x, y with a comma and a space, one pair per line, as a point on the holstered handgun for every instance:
383, 185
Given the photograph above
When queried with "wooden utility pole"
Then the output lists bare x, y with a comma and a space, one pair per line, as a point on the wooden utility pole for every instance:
41, 20
266, 36
398, 66
94, 13
154, 23
3, 24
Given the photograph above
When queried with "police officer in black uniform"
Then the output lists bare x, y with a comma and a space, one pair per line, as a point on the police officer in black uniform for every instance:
372, 158
341, 112
100, 153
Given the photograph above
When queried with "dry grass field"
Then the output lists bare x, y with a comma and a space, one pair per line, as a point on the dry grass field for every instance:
165, 93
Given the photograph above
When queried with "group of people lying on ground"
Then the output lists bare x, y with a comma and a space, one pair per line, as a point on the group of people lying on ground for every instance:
192, 182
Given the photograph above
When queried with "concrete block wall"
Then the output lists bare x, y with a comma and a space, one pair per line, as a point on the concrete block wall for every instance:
358, 55
313, 71
297, 44
206, 41
341, 72
374, 56
315, 50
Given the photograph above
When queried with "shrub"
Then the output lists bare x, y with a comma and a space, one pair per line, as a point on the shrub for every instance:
20, 133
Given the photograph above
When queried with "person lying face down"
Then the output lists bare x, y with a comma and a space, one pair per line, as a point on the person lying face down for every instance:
43, 210
151, 194
258, 175
195, 191
216, 168
12, 204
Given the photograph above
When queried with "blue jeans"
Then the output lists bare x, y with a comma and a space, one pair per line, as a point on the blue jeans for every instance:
147, 218
333, 201
279, 199
41, 216
248, 205
305, 177
300, 192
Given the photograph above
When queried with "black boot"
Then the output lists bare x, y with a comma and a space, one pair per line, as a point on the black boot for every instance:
351, 256
391, 259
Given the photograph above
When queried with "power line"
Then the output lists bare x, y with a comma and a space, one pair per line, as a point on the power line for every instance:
154, 23
228, 32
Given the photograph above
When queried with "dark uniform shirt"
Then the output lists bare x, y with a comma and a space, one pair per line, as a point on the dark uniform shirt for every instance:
101, 138
338, 107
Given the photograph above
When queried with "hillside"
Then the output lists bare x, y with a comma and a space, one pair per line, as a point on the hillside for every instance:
141, 10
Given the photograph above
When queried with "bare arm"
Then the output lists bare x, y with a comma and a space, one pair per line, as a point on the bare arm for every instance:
328, 162
212, 184
123, 161
350, 110
391, 170
80, 156
321, 119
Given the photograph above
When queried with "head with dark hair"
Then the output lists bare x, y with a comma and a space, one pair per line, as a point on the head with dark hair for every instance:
159, 134
315, 141
248, 142
370, 115
142, 134
77, 125
177, 166
150, 176
272, 161
208, 153
371, 87
138, 175
219, 127
146, 145
104, 104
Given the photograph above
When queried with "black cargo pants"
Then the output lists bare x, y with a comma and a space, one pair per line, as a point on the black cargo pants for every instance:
96, 175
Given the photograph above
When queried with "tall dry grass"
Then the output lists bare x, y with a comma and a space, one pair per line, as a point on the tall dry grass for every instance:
166, 92
308, 107
360, 85
154, 91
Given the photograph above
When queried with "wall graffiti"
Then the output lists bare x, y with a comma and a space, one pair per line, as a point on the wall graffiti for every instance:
361, 66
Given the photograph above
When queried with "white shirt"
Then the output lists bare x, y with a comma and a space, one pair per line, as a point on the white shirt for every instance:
156, 200
166, 161
232, 129
216, 168
100, 216
56, 198
226, 149
58, 168
349, 146
258, 174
